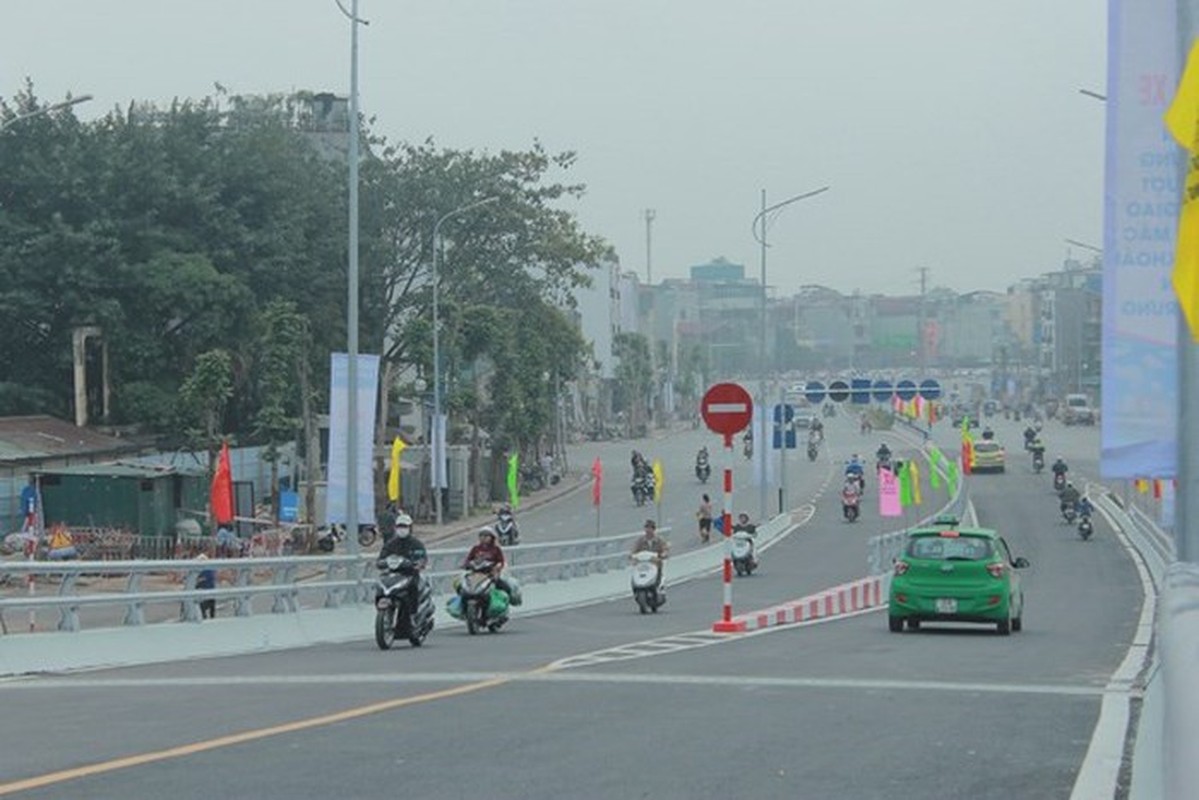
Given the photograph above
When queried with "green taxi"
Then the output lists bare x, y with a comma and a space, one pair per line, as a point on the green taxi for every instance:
950, 573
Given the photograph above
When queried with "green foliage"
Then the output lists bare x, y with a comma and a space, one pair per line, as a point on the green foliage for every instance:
207, 240
633, 375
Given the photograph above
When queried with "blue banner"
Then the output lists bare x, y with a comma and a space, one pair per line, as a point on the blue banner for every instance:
1143, 188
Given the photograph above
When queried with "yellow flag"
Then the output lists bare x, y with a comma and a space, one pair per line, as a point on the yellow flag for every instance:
393, 475
1182, 118
657, 481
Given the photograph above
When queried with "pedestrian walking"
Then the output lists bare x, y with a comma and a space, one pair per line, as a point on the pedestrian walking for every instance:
704, 515
206, 580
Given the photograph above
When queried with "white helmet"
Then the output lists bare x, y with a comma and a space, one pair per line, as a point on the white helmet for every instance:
403, 525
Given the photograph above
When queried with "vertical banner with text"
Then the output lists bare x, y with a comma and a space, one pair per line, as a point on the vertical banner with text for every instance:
339, 433
1140, 311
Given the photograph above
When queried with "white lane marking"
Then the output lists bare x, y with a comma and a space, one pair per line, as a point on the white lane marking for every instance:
1100, 771
674, 679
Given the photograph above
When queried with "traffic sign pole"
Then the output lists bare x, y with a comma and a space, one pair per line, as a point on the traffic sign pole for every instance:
726, 624
727, 408
783, 452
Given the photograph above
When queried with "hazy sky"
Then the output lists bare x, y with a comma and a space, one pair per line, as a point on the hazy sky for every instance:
952, 132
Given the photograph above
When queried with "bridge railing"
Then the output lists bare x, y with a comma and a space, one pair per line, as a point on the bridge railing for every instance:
327, 580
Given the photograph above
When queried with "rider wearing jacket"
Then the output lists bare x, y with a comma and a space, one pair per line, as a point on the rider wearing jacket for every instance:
403, 543
488, 549
1059, 467
1069, 497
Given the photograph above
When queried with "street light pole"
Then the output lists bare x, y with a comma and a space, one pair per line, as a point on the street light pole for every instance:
760, 447
352, 291
74, 101
439, 428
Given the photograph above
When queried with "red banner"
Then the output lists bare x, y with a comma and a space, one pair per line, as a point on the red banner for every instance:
597, 472
221, 495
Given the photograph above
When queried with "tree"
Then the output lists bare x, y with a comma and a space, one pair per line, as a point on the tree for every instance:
284, 343
633, 377
203, 398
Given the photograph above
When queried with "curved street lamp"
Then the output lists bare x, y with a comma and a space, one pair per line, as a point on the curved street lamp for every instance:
74, 101
764, 216
439, 428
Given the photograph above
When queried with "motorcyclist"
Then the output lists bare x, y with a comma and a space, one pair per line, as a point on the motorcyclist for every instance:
883, 454
404, 544
650, 541
1069, 497
1030, 433
748, 441
640, 465
851, 493
504, 514
488, 549
817, 428
1059, 467
1084, 507
702, 464
743, 525
855, 471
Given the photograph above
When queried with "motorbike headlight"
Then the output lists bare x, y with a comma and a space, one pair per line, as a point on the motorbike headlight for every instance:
394, 561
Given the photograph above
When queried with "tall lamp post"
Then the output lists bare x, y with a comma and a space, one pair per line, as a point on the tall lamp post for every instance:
352, 290
74, 101
765, 218
439, 428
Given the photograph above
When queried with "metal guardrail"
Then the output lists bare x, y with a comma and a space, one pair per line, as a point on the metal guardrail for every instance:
340, 579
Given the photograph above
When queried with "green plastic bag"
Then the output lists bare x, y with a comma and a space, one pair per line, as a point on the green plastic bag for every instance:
498, 603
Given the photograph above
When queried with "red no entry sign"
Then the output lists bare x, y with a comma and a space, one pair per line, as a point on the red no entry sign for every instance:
727, 408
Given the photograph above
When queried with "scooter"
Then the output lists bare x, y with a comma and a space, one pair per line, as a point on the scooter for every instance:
483, 605
703, 471
1085, 529
813, 451
1038, 462
643, 488
647, 581
1069, 513
505, 528
1059, 481
393, 617
850, 503
327, 538
743, 553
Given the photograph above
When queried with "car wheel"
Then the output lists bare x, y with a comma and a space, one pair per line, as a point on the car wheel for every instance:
1004, 627
1017, 624
895, 624
913, 624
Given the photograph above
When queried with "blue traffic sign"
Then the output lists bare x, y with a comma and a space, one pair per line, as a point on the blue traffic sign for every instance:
861, 391
838, 391
784, 429
883, 390
906, 390
814, 391
930, 389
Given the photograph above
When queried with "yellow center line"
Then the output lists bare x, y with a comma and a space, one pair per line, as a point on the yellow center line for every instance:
101, 767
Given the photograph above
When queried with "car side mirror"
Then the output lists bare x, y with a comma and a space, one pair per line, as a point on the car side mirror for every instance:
1020, 563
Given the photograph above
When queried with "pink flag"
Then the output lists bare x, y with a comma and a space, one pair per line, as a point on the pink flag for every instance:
888, 494
597, 474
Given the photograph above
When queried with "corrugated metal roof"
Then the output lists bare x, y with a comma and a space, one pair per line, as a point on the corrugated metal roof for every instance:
120, 469
35, 438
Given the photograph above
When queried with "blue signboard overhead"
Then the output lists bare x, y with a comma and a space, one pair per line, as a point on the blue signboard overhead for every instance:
861, 391
906, 390
814, 391
930, 389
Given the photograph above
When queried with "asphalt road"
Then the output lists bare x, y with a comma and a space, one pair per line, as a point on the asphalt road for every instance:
839, 709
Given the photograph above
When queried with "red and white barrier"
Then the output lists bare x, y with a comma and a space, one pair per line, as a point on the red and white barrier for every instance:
838, 601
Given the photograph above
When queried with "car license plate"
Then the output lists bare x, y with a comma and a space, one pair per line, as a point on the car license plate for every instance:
947, 605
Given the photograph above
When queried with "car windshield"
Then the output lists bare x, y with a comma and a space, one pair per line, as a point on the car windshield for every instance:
1077, 402
944, 548
987, 447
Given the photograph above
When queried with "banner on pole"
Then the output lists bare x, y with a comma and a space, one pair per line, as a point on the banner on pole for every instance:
339, 432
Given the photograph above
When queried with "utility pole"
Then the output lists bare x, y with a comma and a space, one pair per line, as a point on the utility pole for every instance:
921, 324
653, 337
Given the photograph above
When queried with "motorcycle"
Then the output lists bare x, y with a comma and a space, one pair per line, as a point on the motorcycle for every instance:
748, 449
1038, 462
882, 463
643, 488
1085, 528
829, 410
482, 603
327, 538
742, 553
850, 503
505, 528
813, 451
393, 617
1069, 513
703, 470
1059, 481
647, 581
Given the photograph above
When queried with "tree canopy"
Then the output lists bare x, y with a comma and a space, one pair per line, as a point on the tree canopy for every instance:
211, 235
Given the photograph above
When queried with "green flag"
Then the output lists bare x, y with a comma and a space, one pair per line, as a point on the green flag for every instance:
905, 486
934, 463
514, 480
952, 477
